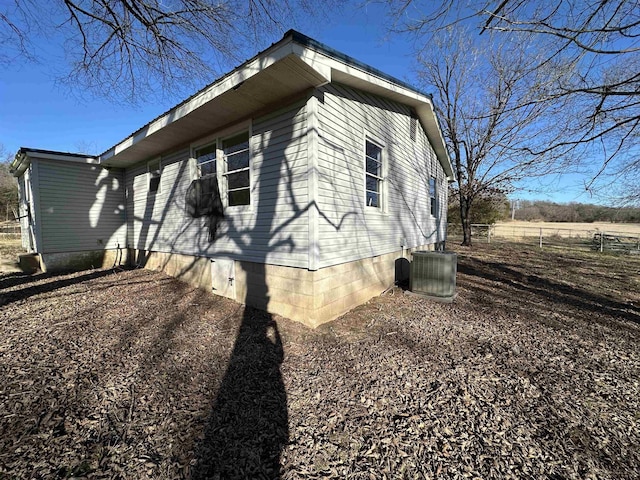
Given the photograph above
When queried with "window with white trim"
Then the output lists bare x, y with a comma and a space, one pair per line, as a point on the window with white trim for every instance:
237, 174
154, 172
433, 196
206, 158
373, 174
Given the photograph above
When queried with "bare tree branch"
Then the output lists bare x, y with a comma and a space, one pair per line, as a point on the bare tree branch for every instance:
126, 48
490, 142
591, 52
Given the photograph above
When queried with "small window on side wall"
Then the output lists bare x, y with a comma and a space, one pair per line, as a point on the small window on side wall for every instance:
373, 175
433, 196
154, 172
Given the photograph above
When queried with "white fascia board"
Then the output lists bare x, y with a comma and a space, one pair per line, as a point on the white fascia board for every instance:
62, 156
429, 120
23, 159
232, 80
315, 60
19, 164
325, 64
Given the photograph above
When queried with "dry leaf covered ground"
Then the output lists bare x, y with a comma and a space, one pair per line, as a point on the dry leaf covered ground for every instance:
533, 372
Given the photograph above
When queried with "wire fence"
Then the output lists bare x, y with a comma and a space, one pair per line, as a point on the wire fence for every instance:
10, 230
552, 237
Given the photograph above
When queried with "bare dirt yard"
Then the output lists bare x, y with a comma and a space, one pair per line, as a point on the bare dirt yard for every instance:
533, 372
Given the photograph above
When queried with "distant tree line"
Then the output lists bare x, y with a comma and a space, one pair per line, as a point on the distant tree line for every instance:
8, 193
575, 212
527, 89
8, 187
497, 208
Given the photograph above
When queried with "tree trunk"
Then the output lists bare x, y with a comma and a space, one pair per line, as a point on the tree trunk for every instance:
466, 221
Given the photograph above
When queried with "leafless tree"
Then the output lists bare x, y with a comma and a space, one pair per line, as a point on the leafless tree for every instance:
598, 41
8, 185
123, 48
493, 144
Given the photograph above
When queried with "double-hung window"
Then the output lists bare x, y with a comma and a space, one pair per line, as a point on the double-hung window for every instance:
433, 196
237, 174
207, 159
373, 174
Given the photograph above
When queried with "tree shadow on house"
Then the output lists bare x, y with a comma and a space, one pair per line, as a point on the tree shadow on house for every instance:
249, 422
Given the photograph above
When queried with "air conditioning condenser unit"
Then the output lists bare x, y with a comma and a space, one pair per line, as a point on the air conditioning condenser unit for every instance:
433, 274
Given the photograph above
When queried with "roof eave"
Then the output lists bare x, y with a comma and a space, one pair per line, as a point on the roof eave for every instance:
256, 71
19, 164
429, 119
317, 63
23, 157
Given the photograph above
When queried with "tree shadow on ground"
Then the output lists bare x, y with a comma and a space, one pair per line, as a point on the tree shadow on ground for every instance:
248, 426
14, 279
551, 291
58, 281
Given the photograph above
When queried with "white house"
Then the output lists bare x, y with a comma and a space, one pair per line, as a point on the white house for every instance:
295, 183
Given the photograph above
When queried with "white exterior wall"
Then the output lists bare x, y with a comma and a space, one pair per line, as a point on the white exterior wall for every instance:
25, 211
348, 230
273, 230
79, 206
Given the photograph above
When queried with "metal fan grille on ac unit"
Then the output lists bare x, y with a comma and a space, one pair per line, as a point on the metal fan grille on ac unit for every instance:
434, 273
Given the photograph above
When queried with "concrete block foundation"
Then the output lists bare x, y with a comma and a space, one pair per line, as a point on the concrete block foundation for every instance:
310, 297
29, 262
75, 261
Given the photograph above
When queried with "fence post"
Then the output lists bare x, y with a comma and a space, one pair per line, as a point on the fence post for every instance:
489, 234
601, 241
541, 237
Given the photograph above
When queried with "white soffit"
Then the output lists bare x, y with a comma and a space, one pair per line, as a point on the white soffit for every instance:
275, 75
285, 69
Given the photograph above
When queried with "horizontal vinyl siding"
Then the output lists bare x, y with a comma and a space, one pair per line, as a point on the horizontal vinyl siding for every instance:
274, 230
347, 229
81, 207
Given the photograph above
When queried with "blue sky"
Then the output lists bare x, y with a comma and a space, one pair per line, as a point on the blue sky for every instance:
36, 113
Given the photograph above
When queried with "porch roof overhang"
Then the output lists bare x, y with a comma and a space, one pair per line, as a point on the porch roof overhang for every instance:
289, 68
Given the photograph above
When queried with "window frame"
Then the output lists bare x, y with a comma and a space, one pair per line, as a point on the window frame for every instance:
200, 147
382, 179
433, 196
225, 174
221, 166
158, 190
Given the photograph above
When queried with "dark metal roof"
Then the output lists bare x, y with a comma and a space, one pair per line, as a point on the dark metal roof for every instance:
53, 152
316, 45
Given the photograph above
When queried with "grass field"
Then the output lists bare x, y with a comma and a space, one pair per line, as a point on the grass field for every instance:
564, 229
10, 248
